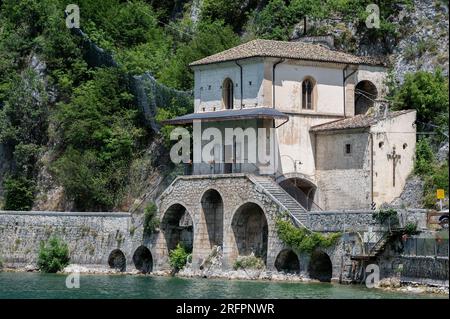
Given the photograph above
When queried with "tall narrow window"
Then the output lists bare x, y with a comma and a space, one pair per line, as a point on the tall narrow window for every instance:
227, 94
307, 94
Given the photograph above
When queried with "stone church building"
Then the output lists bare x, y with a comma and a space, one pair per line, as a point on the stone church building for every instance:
337, 147
335, 138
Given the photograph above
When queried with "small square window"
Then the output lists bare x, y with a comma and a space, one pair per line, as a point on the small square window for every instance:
348, 149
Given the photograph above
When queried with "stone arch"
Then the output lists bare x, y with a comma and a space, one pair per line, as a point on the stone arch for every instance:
212, 213
177, 226
287, 261
117, 260
250, 230
228, 94
320, 266
302, 189
365, 94
143, 259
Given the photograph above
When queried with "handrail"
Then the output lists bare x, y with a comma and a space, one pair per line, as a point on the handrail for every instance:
273, 198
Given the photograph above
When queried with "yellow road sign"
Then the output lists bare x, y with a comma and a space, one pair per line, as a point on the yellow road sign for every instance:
440, 194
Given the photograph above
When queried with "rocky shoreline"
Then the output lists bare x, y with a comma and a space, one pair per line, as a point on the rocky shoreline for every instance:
387, 284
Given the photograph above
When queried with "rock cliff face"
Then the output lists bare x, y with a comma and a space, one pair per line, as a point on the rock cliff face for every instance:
425, 43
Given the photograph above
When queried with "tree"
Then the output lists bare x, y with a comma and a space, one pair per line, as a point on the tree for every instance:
427, 93
210, 38
19, 193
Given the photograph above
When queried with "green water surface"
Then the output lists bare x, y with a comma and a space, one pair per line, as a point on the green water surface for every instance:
38, 285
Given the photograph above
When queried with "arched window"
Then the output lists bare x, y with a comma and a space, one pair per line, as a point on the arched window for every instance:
308, 94
227, 94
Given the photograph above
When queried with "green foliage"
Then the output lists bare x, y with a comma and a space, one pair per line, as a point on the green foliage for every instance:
23, 121
434, 174
151, 222
209, 38
436, 178
410, 229
302, 239
53, 256
178, 257
248, 262
388, 216
277, 18
424, 157
19, 193
100, 130
427, 93
232, 12
274, 21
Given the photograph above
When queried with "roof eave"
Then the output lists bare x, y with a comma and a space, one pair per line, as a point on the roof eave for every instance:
195, 64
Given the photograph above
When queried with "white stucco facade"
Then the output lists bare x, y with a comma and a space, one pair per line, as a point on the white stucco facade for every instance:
316, 158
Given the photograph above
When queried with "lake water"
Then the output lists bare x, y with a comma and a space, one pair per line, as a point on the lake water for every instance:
37, 285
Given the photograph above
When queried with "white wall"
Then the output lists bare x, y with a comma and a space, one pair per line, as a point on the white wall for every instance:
288, 82
209, 80
393, 133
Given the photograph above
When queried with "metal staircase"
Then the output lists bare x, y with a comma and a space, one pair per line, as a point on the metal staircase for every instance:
282, 198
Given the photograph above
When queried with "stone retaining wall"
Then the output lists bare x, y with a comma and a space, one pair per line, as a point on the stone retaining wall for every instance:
91, 237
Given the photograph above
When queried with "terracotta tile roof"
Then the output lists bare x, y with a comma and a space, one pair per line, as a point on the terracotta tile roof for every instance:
358, 121
285, 49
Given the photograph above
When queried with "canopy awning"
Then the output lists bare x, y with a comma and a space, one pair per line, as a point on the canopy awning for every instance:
229, 115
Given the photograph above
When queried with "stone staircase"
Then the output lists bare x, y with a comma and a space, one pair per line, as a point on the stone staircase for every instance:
281, 197
379, 246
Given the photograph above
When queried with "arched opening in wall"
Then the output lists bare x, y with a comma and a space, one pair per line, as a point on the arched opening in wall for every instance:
287, 261
308, 93
250, 231
143, 260
117, 260
177, 227
365, 95
301, 190
320, 266
212, 209
228, 94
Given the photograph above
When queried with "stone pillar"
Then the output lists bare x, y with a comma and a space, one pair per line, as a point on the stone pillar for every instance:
350, 99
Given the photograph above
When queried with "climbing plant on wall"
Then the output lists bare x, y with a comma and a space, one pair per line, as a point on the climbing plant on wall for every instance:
302, 239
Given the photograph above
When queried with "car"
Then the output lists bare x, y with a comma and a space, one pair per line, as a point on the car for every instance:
443, 219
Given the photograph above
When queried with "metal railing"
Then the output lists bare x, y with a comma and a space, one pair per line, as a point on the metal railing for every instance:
421, 247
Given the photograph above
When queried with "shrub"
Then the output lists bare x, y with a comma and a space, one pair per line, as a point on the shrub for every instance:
19, 193
53, 256
248, 262
178, 257
302, 239
437, 177
151, 222
424, 157
411, 229
386, 216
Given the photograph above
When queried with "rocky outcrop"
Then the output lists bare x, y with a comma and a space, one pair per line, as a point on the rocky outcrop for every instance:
412, 194
425, 44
